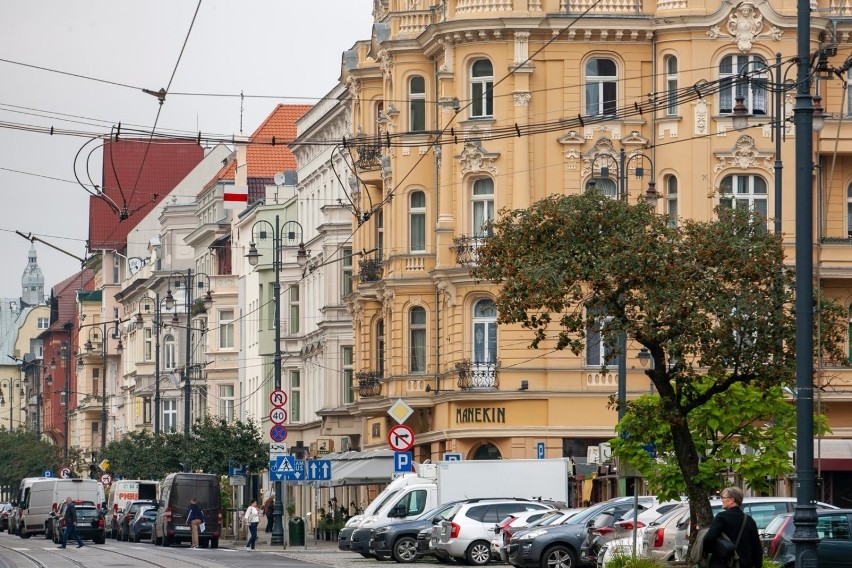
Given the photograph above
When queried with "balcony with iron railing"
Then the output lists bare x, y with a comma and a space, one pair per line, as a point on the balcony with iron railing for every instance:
369, 384
466, 248
368, 154
475, 375
370, 268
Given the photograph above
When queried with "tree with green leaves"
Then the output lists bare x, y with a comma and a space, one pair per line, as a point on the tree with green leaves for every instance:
22, 456
712, 302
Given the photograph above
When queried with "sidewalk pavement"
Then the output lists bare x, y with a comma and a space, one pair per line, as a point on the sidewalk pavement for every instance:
262, 544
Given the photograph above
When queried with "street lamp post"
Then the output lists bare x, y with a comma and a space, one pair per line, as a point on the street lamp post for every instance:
106, 328
188, 280
11, 384
147, 301
301, 258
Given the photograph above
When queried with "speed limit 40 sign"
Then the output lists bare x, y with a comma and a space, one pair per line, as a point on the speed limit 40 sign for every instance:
278, 416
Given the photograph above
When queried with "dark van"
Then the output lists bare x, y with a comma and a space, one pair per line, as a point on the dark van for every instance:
176, 491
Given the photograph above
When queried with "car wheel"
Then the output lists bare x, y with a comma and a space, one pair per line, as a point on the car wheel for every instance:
405, 549
166, 540
100, 540
478, 553
558, 557
366, 555
25, 535
136, 538
214, 542
154, 540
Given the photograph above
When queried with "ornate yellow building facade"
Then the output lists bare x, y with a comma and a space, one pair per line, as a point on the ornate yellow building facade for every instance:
464, 107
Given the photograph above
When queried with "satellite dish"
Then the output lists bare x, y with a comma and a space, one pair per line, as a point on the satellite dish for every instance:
279, 178
134, 264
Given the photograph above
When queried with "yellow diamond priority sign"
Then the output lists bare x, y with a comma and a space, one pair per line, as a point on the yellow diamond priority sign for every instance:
104, 465
400, 411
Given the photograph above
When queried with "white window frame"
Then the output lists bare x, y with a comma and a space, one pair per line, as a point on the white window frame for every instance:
347, 365
417, 222
481, 89
380, 345
169, 417
482, 205
754, 91
746, 192
346, 273
484, 332
417, 340
169, 352
43, 323
671, 200
293, 325
226, 329
671, 85
596, 337
597, 86
416, 104
295, 380
148, 344
226, 403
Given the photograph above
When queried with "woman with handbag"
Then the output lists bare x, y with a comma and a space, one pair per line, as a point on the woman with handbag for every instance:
733, 532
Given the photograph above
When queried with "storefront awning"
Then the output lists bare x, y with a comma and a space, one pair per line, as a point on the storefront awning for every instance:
371, 467
833, 454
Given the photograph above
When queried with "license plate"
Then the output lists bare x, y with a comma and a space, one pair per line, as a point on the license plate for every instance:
182, 528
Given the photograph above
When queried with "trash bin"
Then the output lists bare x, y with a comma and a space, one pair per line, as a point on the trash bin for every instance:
297, 531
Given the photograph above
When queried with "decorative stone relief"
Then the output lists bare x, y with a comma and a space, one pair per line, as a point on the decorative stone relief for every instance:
601, 130
603, 147
356, 310
353, 85
380, 10
474, 158
448, 291
521, 98
572, 142
385, 61
449, 54
744, 155
522, 47
387, 298
744, 26
699, 110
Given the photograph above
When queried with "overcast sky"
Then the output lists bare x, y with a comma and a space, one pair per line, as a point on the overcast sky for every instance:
285, 48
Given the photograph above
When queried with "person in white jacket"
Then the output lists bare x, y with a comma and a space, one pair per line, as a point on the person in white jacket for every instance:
252, 518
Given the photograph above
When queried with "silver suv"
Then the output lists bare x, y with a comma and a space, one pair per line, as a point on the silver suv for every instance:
466, 533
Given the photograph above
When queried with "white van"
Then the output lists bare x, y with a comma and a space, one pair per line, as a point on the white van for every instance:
123, 492
22, 497
45, 497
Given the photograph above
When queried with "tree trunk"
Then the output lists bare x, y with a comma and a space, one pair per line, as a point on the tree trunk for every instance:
687, 456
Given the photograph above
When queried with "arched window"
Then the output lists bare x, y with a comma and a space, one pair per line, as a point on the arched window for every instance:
482, 206
416, 104
417, 221
481, 85
601, 87
744, 191
671, 200
380, 233
484, 332
599, 346
487, 452
753, 91
417, 337
671, 85
380, 346
604, 185
169, 352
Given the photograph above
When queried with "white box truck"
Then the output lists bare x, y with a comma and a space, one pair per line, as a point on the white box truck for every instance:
435, 484
122, 492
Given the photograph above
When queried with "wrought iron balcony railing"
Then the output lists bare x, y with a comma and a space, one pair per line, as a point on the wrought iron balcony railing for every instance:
478, 375
370, 269
466, 248
369, 155
369, 384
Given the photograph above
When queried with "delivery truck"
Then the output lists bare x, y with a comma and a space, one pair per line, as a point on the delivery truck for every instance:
433, 484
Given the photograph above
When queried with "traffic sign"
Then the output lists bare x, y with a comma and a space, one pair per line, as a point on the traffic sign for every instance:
402, 462
400, 411
278, 433
286, 467
277, 449
65, 473
236, 469
104, 465
319, 470
452, 457
278, 398
106, 479
47, 473
540, 450
401, 438
278, 415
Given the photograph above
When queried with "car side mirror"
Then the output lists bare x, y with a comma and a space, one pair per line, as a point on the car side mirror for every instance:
399, 511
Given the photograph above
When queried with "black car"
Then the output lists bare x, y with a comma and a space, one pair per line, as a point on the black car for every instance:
142, 523
90, 524
834, 529
559, 546
126, 516
5, 510
54, 517
399, 540
344, 537
601, 531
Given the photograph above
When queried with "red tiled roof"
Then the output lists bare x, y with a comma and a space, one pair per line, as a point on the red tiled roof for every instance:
136, 174
265, 160
65, 294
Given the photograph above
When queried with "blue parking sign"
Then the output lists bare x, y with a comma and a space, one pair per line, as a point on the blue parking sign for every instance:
47, 473
402, 462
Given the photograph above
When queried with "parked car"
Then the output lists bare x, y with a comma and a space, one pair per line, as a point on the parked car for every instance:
399, 540
90, 523
600, 531
467, 532
143, 521
835, 533
5, 511
126, 516
53, 517
504, 529
761, 509
14, 520
559, 545
654, 538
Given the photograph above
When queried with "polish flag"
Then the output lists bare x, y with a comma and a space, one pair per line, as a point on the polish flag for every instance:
236, 197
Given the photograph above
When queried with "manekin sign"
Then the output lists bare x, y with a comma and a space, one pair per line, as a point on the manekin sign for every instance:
481, 415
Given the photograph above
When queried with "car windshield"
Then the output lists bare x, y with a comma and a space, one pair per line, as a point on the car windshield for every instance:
775, 524
436, 512
149, 514
552, 517
86, 512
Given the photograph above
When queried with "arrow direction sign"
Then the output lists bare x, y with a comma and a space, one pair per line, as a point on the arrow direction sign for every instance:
319, 470
278, 398
401, 438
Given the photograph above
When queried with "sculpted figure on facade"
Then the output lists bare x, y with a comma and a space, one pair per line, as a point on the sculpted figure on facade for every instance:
475, 159
744, 26
744, 155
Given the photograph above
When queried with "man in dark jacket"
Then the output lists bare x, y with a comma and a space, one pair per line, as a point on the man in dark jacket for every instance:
729, 522
194, 518
70, 517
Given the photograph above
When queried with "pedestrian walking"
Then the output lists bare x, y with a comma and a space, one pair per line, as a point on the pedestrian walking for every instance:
195, 518
268, 508
70, 517
739, 528
252, 518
